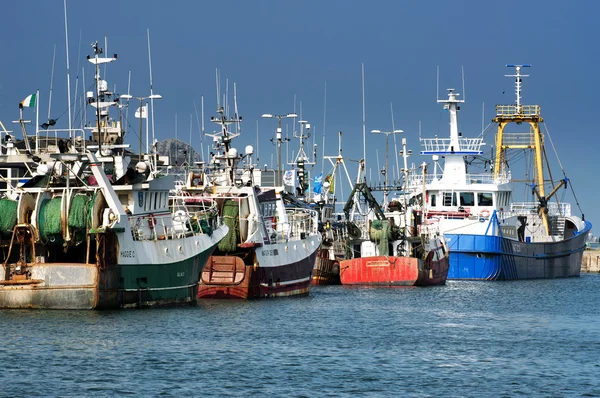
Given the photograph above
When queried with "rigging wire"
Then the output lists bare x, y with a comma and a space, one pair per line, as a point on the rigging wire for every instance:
561, 167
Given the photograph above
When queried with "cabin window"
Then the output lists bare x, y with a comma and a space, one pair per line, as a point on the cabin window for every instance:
485, 199
434, 200
467, 199
268, 209
3, 181
449, 199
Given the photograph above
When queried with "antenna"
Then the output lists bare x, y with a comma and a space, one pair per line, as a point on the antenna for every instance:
68, 71
151, 92
378, 168
128, 94
189, 159
364, 129
226, 97
202, 106
394, 129
437, 84
218, 89
324, 116
200, 127
235, 109
482, 115
294, 122
51, 81
518, 80
105, 49
75, 102
464, 93
83, 97
257, 156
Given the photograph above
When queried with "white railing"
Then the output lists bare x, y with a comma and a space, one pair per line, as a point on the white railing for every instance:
521, 139
444, 144
524, 208
484, 178
517, 111
429, 227
299, 222
47, 141
180, 222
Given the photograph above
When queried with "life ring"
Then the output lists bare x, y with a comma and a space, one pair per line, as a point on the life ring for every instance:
484, 213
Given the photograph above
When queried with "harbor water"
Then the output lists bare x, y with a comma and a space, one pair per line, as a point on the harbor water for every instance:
466, 339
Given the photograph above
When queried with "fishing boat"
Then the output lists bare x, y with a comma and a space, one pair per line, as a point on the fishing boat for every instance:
392, 248
270, 249
298, 194
89, 229
491, 235
333, 227
326, 270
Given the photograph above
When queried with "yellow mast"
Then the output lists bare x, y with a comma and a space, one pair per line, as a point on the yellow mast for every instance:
534, 139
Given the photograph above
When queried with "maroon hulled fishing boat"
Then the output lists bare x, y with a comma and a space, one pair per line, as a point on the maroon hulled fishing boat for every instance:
270, 249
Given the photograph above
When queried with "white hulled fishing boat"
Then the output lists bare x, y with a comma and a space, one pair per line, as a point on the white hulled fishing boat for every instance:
84, 228
489, 234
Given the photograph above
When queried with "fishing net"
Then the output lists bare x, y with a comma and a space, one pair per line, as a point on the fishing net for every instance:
383, 243
78, 216
378, 229
49, 224
205, 226
380, 232
230, 218
8, 216
78, 212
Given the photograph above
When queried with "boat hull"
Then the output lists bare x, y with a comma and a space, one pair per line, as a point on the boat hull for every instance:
394, 271
87, 287
111, 283
481, 257
326, 270
283, 274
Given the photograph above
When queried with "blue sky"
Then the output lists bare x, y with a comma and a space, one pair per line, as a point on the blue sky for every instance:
275, 50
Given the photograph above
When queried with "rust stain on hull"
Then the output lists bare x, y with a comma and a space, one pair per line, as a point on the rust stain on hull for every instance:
394, 271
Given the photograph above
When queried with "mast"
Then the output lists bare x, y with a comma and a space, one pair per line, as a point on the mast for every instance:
151, 87
519, 113
223, 139
103, 100
364, 126
68, 71
324, 116
302, 160
385, 171
279, 139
